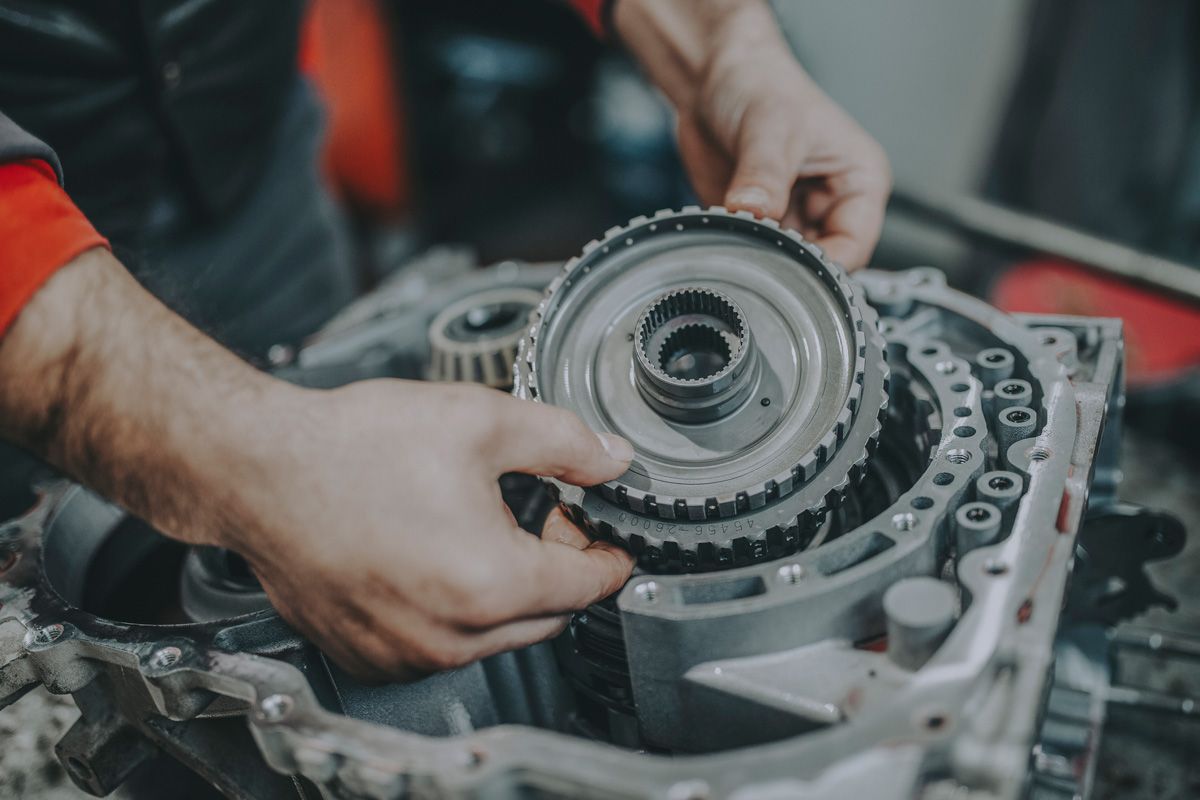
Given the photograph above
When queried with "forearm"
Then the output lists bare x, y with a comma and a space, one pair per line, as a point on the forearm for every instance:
679, 42
102, 380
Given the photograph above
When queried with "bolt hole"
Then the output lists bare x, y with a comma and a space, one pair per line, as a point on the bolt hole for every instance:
962, 411
1013, 388
49, 634
960, 387
766, 401
166, 657
994, 358
1038, 454
995, 567
978, 514
929, 351
1000, 483
935, 722
943, 479
922, 503
964, 431
958, 456
1017, 416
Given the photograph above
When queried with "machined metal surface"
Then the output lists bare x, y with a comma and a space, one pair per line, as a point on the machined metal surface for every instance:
904, 647
737, 465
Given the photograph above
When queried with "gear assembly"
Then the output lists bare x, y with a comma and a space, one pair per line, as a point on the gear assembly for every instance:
857, 505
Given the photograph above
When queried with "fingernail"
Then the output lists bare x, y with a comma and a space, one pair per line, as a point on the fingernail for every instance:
752, 196
617, 448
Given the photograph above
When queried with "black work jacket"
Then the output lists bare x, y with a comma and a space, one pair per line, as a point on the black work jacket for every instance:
133, 95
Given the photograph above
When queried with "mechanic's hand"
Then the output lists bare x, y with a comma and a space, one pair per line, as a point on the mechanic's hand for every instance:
763, 137
384, 536
755, 132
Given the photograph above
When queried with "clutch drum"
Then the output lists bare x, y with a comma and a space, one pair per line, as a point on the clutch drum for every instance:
744, 367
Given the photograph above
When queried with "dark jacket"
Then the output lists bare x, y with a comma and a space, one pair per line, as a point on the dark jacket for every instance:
138, 97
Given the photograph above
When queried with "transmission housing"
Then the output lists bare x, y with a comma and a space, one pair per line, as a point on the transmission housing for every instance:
856, 504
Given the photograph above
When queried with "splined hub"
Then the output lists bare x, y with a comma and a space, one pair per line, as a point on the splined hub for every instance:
694, 355
742, 365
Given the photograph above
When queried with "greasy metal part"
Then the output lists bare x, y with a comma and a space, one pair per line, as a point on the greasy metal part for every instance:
981, 219
776, 671
740, 465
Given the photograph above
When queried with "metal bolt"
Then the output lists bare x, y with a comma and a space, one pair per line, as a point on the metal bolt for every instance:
647, 591
276, 707
791, 573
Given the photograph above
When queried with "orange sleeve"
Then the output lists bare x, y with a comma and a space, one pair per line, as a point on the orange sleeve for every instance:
596, 13
40, 231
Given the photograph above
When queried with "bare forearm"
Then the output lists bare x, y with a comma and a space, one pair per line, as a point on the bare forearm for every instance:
106, 383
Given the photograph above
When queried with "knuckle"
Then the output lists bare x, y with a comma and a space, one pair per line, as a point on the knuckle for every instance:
472, 597
575, 437
439, 654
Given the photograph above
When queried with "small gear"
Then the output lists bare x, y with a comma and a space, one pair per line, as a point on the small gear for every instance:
475, 339
745, 368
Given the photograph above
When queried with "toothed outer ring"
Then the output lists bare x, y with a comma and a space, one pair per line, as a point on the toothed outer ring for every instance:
752, 496
795, 519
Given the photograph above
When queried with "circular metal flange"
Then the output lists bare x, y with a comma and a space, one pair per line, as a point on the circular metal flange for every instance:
475, 338
792, 353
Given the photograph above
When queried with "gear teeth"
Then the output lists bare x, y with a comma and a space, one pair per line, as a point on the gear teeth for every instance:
672, 555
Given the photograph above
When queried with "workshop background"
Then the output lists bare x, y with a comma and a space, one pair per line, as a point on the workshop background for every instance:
507, 129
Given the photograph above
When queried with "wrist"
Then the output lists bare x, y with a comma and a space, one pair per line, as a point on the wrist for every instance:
685, 45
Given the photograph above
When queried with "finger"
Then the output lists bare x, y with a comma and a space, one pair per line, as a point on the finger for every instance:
764, 173
543, 440
708, 166
521, 633
563, 578
558, 528
851, 229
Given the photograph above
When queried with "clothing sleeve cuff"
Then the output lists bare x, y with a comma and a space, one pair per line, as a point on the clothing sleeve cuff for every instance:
40, 231
597, 14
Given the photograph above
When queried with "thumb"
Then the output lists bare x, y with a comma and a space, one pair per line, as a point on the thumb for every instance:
538, 439
763, 175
